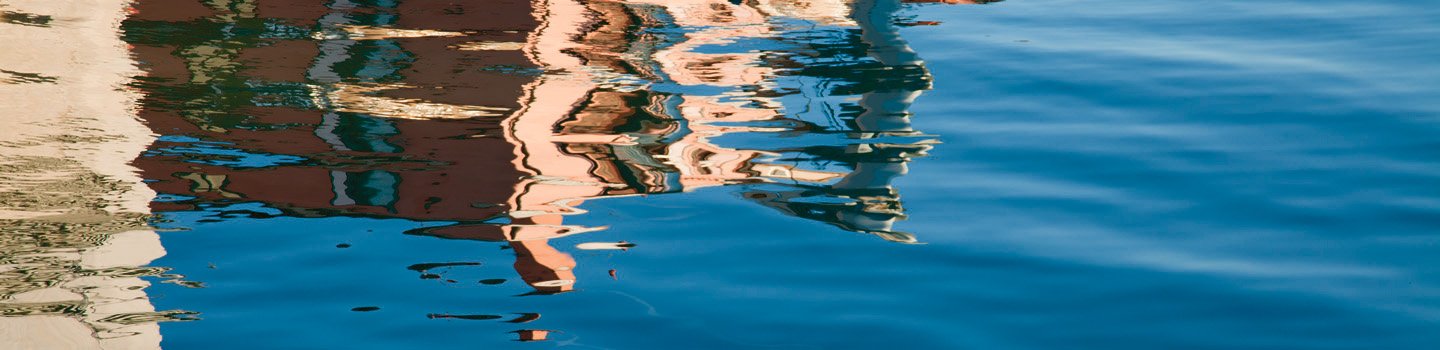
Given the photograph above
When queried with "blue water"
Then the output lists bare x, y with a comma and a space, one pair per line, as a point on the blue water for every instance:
1116, 174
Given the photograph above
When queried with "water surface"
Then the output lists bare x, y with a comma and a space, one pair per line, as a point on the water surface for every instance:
764, 174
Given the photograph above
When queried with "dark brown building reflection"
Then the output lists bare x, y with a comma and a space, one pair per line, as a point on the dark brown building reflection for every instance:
506, 116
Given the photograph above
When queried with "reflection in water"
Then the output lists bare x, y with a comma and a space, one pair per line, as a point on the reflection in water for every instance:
496, 119
74, 227
1200, 196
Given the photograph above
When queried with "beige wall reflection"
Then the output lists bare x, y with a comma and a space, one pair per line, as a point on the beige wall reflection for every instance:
73, 212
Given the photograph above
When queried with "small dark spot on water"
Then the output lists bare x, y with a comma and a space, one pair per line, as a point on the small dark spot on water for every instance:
492, 281
464, 317
427, 266
429, 276
365, 308
342, 245
525, 317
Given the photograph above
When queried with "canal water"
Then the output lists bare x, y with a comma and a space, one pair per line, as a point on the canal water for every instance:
715, 174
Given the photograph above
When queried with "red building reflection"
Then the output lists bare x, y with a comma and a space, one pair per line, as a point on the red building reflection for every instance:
505, 116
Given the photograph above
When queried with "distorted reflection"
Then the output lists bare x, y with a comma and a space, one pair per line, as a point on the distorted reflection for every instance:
74, 222
495, 118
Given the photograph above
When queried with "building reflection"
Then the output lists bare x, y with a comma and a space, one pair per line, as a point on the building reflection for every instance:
74, 220
505, 116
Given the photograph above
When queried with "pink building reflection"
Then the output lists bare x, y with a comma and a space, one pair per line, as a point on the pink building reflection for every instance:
506, 116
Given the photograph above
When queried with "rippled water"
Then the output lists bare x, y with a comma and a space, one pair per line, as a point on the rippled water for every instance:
710, 174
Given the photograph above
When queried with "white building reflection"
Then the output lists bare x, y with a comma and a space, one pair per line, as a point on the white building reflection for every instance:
73, 212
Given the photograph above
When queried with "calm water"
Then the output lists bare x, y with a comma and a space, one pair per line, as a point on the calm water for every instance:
767, 174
